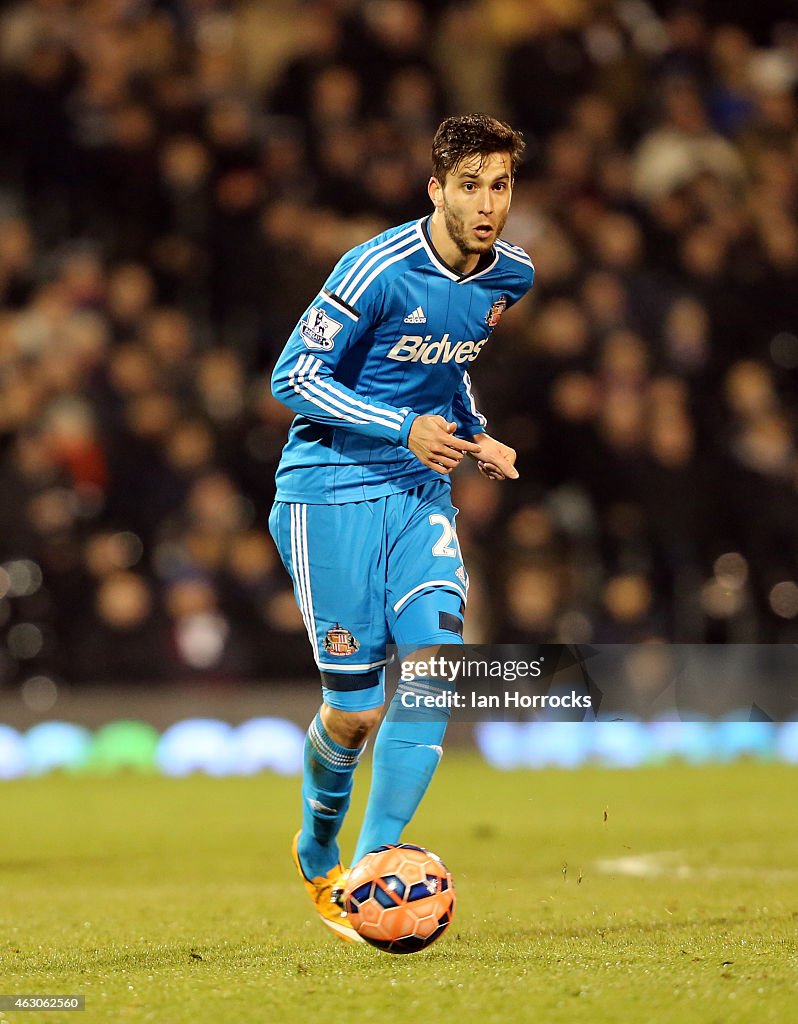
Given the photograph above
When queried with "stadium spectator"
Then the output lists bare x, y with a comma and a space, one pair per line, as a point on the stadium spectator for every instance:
176, 179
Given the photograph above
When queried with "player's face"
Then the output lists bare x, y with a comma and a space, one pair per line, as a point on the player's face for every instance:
476, 200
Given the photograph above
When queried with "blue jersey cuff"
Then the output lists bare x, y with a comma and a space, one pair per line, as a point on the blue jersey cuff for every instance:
404, 433
470, 430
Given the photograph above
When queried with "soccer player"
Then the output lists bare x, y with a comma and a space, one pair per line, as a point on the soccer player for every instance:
377, 373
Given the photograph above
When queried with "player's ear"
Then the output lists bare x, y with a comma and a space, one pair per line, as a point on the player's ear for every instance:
435, 192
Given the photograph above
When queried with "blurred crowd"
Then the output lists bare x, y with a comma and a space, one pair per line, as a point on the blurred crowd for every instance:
177, 179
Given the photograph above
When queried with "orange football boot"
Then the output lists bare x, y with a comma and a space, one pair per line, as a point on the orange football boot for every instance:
325, 893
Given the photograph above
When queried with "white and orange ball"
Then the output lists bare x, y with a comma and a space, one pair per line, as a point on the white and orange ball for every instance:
400, 898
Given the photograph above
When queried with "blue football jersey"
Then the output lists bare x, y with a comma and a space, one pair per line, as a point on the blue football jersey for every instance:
391, 336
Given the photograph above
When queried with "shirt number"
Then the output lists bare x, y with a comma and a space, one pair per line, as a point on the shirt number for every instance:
446, 544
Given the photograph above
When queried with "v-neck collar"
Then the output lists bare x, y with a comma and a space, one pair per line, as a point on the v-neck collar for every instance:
486, 261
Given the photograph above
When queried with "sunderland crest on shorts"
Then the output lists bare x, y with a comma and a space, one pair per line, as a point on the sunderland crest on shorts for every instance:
495, 311
339, 642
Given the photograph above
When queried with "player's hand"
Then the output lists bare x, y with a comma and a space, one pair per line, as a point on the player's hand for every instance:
432, 441
496, 461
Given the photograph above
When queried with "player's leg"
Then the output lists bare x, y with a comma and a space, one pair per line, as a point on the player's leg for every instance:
333, 746
427, 587
332, 553
409, 743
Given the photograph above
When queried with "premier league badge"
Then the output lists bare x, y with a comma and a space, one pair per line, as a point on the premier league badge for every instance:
495, 311
318, 330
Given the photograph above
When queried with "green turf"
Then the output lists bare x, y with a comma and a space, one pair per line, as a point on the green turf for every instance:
175, 901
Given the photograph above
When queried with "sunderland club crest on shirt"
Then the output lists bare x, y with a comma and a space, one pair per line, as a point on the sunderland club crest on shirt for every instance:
495, 311
318, 330
339, 642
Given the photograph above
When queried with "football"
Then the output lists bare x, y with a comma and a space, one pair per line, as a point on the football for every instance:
400, 898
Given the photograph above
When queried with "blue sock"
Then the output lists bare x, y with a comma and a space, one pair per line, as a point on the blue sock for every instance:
326, 788
406, 754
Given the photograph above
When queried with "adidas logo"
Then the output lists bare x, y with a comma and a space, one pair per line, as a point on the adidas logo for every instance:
418, 316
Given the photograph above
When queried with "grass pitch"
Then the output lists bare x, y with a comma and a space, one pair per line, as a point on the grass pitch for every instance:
661, 895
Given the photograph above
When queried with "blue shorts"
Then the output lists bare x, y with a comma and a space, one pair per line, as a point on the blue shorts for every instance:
358, 567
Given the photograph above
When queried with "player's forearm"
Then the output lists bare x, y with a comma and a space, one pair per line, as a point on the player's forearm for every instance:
308, 388
469, 419
471, 429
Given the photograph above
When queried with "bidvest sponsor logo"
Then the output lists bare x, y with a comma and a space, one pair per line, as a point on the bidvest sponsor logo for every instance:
412, 348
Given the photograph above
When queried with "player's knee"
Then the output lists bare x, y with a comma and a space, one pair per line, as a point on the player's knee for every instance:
350, 728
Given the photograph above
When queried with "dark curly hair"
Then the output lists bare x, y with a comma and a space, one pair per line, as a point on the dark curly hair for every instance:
473, 135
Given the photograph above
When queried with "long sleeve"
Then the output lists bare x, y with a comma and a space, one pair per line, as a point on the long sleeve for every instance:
468, 418
304, 377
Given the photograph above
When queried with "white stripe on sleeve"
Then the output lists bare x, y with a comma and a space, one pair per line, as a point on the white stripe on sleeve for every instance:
381, 267
477, 414
305, 381
367, 254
